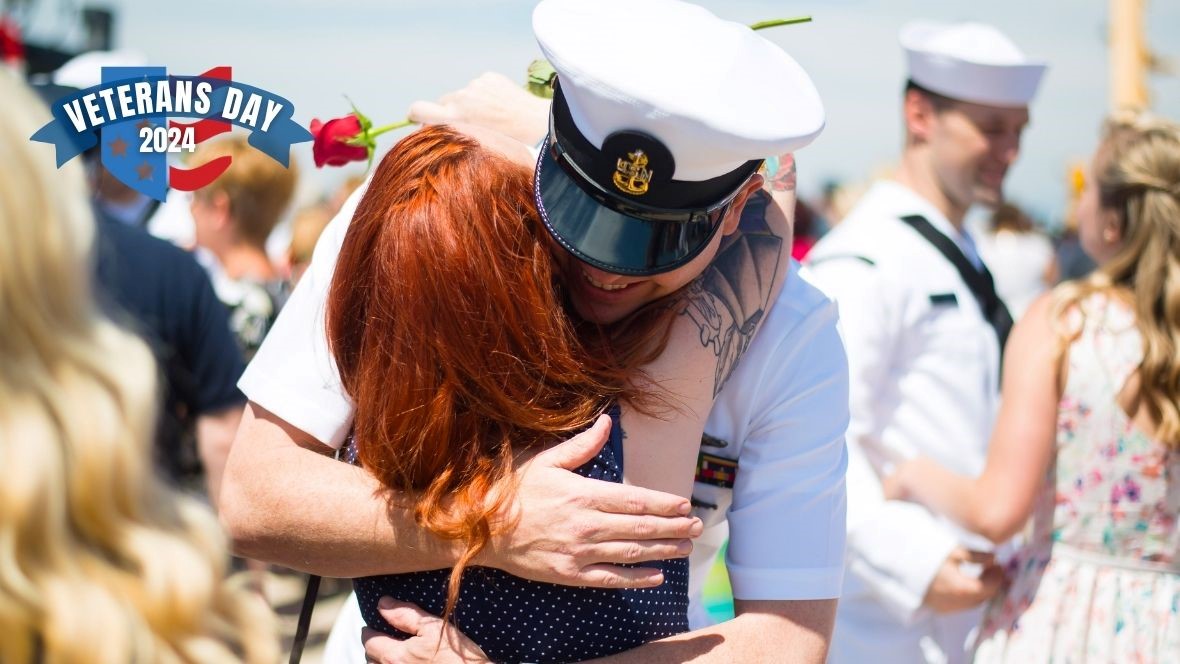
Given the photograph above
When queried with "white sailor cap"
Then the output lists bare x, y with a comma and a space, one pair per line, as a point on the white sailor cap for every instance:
971, 62
661, 112
85, 70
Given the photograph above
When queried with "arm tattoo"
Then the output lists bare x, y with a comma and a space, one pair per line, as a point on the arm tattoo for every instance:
785, 177
729, 300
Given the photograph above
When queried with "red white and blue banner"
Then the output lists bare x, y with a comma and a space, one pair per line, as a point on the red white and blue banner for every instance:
129, 118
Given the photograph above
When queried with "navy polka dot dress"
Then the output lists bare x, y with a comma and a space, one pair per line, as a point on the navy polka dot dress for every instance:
516, 620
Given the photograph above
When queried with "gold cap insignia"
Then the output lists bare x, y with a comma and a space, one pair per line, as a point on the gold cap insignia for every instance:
631, 175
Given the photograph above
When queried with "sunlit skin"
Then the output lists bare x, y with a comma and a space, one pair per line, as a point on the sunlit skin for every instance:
585, 283
201, 211
979, 144
959, 155
1099, 228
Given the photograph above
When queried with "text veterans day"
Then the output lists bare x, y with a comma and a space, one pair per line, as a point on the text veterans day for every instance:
174, 96
129, 99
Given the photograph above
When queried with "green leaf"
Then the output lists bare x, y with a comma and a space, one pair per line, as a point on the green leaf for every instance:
540, 78
366, 123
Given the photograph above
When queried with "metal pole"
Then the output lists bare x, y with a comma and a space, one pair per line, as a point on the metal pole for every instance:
1128, 55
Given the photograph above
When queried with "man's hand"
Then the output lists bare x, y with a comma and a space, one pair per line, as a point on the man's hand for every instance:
955, 589
571, 530
896, 485
492, 101
425, 644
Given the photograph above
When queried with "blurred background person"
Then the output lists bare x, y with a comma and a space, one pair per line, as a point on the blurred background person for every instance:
233, 217
1020, 257
924, 331
309, 223
102, 562
1072, 260
806, 231
161, 293
1088, 439
341, 193
111, 198
306, 228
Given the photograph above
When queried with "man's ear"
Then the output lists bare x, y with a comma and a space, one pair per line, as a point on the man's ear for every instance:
219, 204
734, 214
919, 114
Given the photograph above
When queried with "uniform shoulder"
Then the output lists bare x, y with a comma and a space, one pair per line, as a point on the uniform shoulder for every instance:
863, 236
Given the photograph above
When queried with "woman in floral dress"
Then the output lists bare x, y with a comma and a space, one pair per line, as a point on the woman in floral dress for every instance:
1087, 442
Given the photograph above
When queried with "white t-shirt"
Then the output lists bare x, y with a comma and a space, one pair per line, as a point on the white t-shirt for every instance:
782, 416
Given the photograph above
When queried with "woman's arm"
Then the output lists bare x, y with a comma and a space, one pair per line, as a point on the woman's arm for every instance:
999, 502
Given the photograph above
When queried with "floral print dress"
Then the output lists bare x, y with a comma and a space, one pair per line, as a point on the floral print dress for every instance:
1099, 577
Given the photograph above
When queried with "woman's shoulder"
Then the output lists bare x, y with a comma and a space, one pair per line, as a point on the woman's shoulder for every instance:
1080, 308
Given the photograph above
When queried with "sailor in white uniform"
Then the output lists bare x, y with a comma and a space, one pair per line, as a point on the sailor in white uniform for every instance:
924, 330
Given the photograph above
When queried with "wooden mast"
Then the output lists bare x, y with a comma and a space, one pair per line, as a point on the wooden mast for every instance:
1129, 55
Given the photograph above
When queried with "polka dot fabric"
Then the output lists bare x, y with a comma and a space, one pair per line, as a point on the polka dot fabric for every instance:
516, 620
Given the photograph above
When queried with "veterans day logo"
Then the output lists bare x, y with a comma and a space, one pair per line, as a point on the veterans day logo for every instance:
129, 118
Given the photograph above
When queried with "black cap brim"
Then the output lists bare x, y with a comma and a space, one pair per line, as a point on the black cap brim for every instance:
607, 239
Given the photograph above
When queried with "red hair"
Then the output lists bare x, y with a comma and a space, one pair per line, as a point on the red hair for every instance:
451, 336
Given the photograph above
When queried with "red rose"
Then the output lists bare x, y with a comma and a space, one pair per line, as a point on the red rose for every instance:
331, 141
12, 47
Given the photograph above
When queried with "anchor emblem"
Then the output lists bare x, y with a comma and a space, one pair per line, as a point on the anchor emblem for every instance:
631, 175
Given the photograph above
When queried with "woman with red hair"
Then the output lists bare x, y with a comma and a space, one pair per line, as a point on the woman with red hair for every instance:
454, 340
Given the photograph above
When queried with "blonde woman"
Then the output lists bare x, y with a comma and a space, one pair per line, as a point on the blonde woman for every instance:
99, 561
1088, 437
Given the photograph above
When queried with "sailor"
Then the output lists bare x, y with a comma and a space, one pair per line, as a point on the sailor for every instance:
924, 330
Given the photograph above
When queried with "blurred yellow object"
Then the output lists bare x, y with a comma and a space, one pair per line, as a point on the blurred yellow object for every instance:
1077, 180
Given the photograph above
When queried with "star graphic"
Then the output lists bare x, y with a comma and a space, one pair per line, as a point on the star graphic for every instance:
118, 147
145, 171
144, 124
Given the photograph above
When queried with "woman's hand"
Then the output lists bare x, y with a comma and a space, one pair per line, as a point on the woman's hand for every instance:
896, 485
429, 643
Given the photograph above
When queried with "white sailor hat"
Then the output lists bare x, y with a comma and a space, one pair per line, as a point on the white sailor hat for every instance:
971, 62
661, 112
85, 70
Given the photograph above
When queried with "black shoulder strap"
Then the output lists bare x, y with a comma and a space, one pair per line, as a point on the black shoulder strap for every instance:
303, 626
982, 286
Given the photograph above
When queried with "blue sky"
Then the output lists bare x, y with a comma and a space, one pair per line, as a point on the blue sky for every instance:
386, 54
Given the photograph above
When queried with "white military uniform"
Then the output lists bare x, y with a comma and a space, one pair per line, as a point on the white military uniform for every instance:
924, 371
924, 368
782, 415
